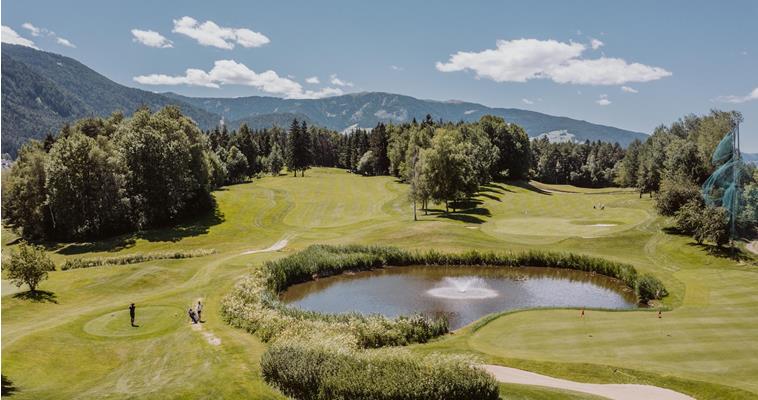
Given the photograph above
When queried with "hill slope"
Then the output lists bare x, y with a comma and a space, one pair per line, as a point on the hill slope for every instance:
368, 108
42, 91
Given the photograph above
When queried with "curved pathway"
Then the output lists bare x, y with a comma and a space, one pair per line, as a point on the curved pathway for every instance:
274, 247
610, 391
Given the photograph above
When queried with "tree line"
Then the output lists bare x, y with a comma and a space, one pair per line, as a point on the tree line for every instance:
674, 163
104, 176
113, 175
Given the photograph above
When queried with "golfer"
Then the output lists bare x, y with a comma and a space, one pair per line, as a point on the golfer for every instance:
131, 313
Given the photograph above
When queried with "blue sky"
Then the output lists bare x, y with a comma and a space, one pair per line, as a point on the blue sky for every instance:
673, 57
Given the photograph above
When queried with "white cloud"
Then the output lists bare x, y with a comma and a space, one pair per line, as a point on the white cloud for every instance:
605, 71
64, 42
603, 100
339, 82
627, 89
33, 30
230, 72
210, 34
520, 60
313, 80
151, 38
739, 99
10, 36
396, 68
596, 44
527, 101
38, 31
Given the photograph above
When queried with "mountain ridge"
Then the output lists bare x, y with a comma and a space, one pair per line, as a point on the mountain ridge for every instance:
369, 108
43, 90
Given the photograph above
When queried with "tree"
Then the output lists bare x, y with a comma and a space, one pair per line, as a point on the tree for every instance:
747, 220
419, 184
366, 163
236, 165
304, 149
483, 155
378, 142
628, 167
688, 217
243, 140
165, 157
24, 195
713, 226
675, 191
275, 161
448, 168
85, 184
292, 152
513, 147
29, 265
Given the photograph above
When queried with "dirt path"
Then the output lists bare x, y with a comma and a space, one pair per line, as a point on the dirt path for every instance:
274, 247
752, 247
611, 391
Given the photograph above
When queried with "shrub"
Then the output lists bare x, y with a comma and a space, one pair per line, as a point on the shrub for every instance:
650, 288
135, 258
713, 226
674, 193
688, 217
315, 372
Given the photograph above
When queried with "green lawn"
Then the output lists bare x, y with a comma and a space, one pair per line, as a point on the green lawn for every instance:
77, 343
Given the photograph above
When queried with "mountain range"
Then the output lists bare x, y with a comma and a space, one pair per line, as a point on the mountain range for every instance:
41, 91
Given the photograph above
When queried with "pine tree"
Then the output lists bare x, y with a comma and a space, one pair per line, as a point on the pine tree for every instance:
291, 150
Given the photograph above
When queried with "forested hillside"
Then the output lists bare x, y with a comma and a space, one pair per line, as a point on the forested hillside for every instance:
42, 91
367, 109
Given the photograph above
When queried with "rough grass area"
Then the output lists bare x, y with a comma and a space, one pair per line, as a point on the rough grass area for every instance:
703, 346
75, 263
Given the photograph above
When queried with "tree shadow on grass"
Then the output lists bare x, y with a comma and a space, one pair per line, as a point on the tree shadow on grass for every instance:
530, 187
468, 211
37, 296
498, 187
489, 196
8, 388
190, 226
735, 253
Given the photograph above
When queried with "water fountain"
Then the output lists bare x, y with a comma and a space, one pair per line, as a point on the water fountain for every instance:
462, 288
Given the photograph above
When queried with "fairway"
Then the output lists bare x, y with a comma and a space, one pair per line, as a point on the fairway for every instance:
76, 342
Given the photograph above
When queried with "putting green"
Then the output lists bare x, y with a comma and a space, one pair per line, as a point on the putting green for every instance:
152, 320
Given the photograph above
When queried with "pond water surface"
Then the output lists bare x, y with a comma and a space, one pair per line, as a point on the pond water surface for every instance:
463, 294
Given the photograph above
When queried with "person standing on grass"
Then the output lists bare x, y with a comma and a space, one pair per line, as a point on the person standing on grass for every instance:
131, 313
192, 315
199, 311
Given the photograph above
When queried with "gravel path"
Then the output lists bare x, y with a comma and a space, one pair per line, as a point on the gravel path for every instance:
611, 391
274, 247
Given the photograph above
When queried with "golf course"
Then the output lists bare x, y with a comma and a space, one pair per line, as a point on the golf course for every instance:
73, 340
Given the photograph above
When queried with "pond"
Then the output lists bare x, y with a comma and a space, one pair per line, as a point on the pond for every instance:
463, 294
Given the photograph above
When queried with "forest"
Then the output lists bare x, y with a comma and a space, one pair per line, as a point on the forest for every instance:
105, 176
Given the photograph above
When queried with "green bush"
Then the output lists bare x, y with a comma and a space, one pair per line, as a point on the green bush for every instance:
310, 371
650, 288
75, 263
